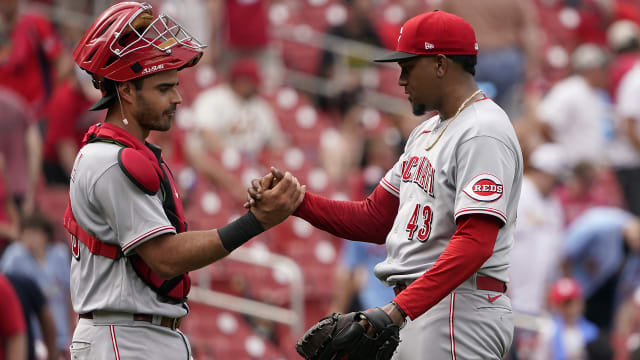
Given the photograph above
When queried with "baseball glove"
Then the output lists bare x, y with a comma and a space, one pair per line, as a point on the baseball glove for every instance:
342, 337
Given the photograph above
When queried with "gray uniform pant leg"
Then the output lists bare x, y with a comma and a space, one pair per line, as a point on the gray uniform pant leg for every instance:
138, 341
465, 325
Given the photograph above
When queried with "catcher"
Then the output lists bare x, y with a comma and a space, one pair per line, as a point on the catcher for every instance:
446, 212
131, 248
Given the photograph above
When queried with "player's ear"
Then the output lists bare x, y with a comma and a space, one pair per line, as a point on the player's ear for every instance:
441, 64
127, 91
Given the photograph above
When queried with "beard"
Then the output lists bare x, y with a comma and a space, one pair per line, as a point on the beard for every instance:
418, 109
152, 119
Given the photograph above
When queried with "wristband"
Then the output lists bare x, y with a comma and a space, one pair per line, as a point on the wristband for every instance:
239, 231
404, 315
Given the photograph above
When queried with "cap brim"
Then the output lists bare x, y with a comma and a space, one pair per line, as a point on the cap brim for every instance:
396, 56
103, 103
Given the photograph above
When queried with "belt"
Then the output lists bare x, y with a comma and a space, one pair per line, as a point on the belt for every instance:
171, 323
482, 283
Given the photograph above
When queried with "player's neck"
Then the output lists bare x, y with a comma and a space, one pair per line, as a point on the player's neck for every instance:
131, 125
455, 96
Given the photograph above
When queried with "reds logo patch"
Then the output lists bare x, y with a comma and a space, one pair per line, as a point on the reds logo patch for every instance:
485, 187
75, 248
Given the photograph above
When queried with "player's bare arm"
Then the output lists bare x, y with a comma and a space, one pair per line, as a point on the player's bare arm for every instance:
172, 254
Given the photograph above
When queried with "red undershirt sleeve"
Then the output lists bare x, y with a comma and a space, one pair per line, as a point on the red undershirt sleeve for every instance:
470, 246
369, 220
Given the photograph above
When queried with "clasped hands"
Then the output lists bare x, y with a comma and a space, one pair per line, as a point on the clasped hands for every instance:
274, 197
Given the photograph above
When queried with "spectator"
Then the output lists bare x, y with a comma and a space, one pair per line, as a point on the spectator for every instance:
602, 247
30, 51
539, 231
68, 119
508, 40
13, 338
235, 111
574, 112
571, 333
36, 311
625, 151
21, 146
232, 116
36, 258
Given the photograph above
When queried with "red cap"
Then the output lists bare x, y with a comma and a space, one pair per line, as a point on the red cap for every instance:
436, 32
246, 68
565, 289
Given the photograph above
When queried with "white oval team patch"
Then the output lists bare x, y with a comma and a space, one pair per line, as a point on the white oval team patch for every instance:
485, 187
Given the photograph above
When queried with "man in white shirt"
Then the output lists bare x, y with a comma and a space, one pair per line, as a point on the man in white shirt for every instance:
538, 235
232, 118
574, 112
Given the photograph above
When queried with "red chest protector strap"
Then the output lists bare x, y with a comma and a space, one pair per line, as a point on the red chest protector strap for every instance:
143, 165
94, 245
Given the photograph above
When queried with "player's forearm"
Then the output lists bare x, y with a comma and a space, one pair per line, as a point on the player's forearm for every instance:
173, 254
632, 132
469, 248
47, 324
67, 152
369, 220
346, 289
34, 148
16, 347
170, 255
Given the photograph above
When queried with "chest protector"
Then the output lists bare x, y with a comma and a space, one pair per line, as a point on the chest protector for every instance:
144, 166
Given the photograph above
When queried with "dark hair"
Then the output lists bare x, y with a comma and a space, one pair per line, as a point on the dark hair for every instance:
110, 88
468, 62
38, 221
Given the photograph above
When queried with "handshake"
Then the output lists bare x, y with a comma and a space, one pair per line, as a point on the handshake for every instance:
274, 197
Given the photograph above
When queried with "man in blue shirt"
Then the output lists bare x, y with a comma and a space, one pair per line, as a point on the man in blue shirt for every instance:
36, 257
601, 247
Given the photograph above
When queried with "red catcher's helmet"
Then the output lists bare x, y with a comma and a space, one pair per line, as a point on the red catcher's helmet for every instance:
127, 42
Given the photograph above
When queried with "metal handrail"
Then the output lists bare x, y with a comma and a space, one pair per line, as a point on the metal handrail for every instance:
293, 317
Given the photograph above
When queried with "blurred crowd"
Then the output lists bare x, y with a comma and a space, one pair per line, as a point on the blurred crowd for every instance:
290, 83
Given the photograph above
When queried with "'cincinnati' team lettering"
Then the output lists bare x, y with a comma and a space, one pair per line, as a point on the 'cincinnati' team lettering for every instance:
419, 170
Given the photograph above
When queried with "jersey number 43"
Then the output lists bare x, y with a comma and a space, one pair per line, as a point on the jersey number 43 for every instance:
421, 229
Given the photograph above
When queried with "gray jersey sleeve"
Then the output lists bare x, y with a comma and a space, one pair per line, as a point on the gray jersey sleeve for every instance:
391, 180
134, 216
484, 176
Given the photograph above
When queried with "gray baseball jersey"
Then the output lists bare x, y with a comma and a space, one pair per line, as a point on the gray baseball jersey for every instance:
109, 206
476, 167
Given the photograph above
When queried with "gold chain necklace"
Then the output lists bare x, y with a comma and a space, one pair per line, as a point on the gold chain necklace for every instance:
462, 106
